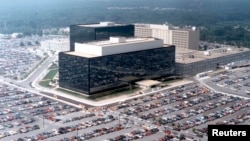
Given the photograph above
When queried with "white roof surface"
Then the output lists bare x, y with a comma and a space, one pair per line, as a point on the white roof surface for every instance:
148, 83
117, 45
101, 24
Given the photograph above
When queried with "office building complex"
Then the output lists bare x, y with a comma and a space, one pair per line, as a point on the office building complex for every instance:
93, 66
190, 62
58, 45
99, 66
181, 38
100, 31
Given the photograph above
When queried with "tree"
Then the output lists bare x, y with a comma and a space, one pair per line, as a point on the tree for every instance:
194, 130
21, 44
182, 137
39, 33
217, 46
29, 43
19, 36
37, 43
27, 33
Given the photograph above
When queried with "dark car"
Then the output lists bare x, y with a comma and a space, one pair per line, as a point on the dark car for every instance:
35, 127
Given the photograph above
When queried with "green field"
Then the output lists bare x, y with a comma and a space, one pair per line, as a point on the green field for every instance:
45, 83
51, 74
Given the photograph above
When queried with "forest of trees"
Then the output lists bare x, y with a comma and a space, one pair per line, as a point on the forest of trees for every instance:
225, 21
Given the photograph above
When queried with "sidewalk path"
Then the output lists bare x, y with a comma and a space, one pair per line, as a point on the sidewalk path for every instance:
107, 101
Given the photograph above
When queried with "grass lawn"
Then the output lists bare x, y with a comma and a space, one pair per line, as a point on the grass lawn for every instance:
45, 83
51, 74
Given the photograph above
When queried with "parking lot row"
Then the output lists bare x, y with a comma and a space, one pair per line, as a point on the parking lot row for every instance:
204, 118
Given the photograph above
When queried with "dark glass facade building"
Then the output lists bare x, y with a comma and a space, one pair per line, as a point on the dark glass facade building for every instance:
97, 74
85, 33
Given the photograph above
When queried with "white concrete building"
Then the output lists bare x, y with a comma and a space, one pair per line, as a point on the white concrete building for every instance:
57, 45
15, 35
181, 38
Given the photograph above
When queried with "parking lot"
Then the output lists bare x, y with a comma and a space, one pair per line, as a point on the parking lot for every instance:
181, 112
19, 57
187, 110
23, 112
236, 81
33, 117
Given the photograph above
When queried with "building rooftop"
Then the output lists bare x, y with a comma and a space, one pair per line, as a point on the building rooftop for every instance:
101, 24
186, 56
165, 27
117, 45
81, 54
148, 83
119, 40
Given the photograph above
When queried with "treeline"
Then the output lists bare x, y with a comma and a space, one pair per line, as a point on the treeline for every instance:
213, 16
232, 35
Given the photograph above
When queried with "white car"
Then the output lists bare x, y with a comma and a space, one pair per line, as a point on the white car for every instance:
16, 123
2, 135
1, 127
13, 132
55, 131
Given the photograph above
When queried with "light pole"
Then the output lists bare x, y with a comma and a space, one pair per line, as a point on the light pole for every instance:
119, 120
85, 136
43, 121
77, 131
165, 131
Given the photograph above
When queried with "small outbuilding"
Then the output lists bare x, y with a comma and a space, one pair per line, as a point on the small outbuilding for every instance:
148, 83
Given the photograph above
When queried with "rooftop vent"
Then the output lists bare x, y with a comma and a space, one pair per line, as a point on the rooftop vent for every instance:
191, 56
107, 23
207, 53
117, 39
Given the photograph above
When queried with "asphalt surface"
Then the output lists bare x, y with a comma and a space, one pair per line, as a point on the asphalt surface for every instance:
26, 83
231, 75
134, 120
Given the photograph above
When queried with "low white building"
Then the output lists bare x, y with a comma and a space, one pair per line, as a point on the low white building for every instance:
15, 35
58, 45
148, 83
